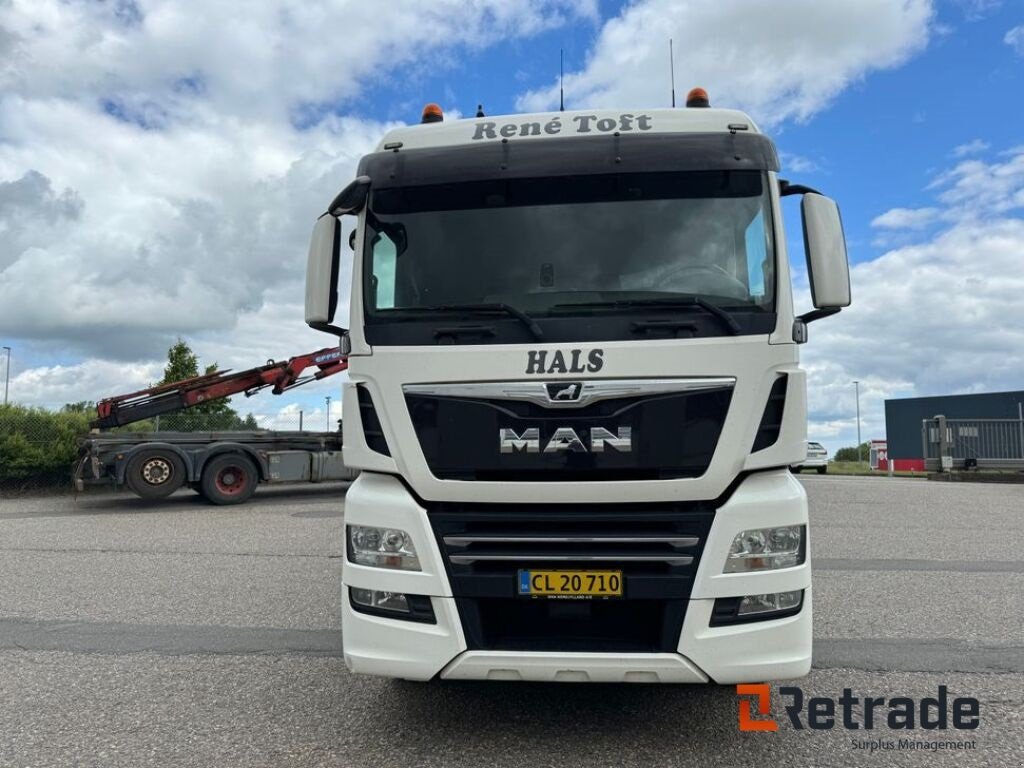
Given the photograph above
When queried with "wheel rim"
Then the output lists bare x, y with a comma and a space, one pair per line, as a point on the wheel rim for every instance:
230, 480
157, 471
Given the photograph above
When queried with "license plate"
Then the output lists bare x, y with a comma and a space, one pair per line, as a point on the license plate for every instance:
570, 583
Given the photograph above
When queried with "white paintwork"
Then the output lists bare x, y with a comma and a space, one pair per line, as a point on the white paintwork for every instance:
745, 653
753, 652
763, 500
455, 132
748, 653
380, 500
376, 646
751, 360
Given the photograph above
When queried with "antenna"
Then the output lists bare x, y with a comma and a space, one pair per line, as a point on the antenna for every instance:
561, 74
672, 69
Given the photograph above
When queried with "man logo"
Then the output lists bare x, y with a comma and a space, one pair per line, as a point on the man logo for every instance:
763, 694
565, 440
564, 391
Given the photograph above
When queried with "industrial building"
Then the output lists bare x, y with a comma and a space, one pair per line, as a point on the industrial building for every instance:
979, 430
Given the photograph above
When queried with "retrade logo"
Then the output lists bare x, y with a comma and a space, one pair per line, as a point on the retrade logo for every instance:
762, 695
850, 712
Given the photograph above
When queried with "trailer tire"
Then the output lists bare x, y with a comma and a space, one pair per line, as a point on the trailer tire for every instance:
229, 478
155, 473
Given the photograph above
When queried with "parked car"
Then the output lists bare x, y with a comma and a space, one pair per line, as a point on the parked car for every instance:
817, 458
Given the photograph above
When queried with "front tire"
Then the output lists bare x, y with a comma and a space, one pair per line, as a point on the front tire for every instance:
822, 470
155, 473
229, 478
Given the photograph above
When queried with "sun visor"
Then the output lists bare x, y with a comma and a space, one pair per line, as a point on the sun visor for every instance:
575, 156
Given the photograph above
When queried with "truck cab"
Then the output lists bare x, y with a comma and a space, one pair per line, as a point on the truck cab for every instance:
574, 397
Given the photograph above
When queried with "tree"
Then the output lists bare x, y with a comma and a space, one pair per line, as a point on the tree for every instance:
183, 363
853, 453
213, 415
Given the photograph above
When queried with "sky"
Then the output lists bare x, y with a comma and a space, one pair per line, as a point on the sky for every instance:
162, 163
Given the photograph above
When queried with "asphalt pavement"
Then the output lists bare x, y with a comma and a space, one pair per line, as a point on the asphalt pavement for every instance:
180, 634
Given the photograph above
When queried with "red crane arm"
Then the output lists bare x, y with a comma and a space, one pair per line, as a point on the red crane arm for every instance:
165, 398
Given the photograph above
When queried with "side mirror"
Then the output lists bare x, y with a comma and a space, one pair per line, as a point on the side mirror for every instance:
322, 265
322, 275
828, 269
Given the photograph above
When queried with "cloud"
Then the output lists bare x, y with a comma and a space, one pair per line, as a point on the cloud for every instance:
269, 61
977, 188
977, 146
305, 416
1015, 39
976, 10
31, 214
905, 218
793, 163
161, 163
776, 60
936, 316
54, 385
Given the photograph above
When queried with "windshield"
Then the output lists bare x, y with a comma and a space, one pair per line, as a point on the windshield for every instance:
580, 245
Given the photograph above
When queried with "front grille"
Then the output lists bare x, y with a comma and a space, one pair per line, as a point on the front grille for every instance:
656, 546
674, 435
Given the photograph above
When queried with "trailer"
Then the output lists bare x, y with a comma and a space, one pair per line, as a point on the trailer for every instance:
223, 467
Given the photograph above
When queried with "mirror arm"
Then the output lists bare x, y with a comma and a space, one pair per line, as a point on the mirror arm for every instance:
817, 314
801, 321
785, 188
328, 328
352, 198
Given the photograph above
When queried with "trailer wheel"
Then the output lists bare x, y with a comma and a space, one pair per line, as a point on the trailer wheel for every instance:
229, 478
155, 473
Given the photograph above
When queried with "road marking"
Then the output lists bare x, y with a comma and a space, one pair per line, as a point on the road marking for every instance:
886, 564
869, 654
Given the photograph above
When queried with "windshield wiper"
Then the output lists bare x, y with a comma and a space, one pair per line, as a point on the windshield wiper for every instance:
508, 309
667, 302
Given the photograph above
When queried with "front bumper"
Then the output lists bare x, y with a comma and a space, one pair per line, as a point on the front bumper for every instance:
757, 651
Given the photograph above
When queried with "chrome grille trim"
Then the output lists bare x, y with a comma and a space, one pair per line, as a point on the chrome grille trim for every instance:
592, 390
580, 558
679, 542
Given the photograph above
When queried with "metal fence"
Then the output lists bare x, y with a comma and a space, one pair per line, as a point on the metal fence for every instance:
972, 443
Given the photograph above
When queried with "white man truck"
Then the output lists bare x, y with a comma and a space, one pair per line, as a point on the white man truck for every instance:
574, 398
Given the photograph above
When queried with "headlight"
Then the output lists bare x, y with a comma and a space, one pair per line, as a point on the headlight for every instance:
382, 548
777, 602
381, 601
742, 610
392, 605
762, 549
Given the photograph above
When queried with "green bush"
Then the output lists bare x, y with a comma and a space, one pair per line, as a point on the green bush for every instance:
853, 453
37, 447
